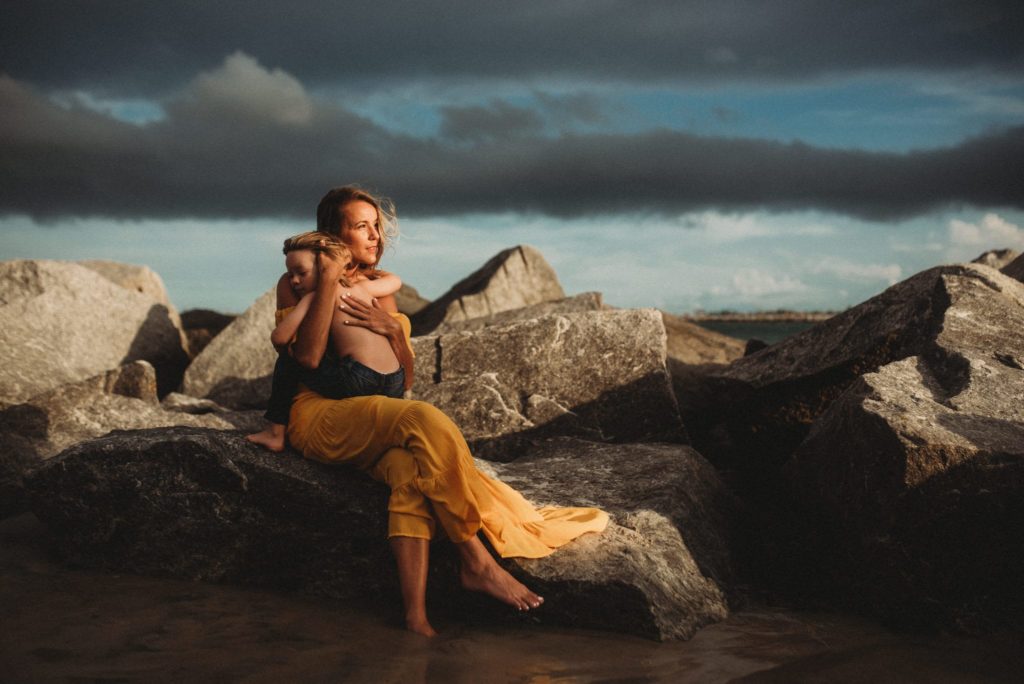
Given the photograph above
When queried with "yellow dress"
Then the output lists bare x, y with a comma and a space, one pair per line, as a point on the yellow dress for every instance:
420, 453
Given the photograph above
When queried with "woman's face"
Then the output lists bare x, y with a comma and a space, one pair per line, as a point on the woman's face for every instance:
302, 275
360, 231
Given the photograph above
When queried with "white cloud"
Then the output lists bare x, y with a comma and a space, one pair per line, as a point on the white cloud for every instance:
244, 86
719, 227
754, 283
992, 232
850, 270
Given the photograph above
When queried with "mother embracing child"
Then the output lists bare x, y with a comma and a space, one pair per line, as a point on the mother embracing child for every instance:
410, 445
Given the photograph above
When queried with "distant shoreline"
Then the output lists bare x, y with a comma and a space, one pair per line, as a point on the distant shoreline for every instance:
760, 316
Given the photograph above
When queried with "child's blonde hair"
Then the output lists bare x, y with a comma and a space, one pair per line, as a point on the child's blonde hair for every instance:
317, 242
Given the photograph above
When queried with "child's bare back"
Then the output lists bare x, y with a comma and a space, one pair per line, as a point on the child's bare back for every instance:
363, 345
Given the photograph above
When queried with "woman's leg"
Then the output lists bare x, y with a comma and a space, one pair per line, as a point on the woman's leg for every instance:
412, 556
480, 572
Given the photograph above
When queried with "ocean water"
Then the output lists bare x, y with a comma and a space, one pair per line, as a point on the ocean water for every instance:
767, 331
64, 625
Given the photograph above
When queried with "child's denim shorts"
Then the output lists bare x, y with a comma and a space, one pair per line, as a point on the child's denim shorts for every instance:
348, 378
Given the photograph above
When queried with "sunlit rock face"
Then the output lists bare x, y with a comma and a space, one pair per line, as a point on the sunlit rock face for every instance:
597, 374
512, 279
235, 368
61, 322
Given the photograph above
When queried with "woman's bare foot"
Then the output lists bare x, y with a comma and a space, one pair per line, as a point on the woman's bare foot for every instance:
271, 437
492, 579
420, 626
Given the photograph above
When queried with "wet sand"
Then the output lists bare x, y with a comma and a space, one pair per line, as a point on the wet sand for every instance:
60, 625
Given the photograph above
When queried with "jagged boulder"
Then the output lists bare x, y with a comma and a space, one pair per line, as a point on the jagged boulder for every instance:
918, 468
587, 301
120, 399
201, 326
61, 322
409, 301
1015, 269
692, 344
134, 277
205, 505
599, 375
996, 258
757, 410
692, 353
512, 279
235, 369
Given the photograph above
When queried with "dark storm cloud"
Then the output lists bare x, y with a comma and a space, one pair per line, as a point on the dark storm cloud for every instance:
496, 121
243, 141
147, 47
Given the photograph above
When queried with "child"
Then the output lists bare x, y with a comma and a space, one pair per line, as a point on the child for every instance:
358, 362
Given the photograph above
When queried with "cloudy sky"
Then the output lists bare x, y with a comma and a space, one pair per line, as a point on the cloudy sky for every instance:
721, 154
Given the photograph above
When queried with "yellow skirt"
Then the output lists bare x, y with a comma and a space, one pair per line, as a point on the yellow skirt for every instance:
420, 453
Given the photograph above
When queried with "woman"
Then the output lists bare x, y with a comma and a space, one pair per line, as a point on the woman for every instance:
411, 445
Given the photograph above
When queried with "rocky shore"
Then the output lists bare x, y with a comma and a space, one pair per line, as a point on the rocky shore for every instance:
870, 463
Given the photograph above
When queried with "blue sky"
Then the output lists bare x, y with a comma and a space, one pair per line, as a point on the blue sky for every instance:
681, 155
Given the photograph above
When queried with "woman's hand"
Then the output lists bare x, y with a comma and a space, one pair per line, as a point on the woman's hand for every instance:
374, 318
370, 316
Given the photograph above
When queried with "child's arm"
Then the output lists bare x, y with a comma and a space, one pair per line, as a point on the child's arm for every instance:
383, 286
289, 325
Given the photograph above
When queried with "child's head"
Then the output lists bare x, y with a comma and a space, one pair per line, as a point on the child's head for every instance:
300, 259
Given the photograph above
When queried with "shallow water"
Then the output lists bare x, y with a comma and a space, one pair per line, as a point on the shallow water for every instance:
59, 625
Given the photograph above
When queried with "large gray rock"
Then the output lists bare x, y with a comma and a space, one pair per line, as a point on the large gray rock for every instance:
919, 466
61, 322
235, 369
693, 352
121, 399
205, 505
134, 277
512, 279
587, 301
201, 326
691, 344
409, 301
757, 410
1015, 269
599, 375
996, 258
145, 280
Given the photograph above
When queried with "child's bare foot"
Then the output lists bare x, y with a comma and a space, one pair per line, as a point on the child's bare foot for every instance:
271, 437
420, 626
493, 580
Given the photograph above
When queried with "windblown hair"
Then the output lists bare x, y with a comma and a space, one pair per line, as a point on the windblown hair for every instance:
318, 242
328, 217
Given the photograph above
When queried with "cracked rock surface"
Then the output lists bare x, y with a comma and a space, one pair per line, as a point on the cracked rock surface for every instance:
599, 375
204, 504
919, 466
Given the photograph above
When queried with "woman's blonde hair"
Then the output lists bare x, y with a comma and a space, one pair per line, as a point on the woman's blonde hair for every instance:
328, 217
318, 242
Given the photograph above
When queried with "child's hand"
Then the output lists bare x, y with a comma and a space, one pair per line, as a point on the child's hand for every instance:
328, 267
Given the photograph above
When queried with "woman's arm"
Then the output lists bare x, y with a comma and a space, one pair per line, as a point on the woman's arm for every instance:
311, 342
376, 318
289, 325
